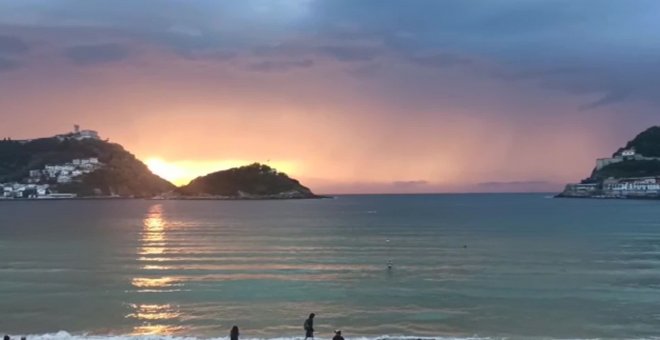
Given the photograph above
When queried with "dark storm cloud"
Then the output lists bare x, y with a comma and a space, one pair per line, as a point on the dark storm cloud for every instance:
97, 54
12, 45
558, 40
532, 39
280, 66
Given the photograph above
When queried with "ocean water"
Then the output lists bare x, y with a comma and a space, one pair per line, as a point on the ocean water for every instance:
464, 266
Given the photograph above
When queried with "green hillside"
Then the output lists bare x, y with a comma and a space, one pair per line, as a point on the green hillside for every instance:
122, 173
256, 180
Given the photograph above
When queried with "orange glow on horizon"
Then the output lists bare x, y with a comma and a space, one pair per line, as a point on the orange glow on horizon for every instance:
182, 172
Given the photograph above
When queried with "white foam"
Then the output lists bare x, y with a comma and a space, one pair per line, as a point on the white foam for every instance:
62, 335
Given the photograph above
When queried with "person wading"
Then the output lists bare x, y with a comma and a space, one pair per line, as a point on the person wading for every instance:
233, 334
338, 335
309, 327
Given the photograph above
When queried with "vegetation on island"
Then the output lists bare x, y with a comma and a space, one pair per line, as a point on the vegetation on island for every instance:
646, 143
627, 169
251, 181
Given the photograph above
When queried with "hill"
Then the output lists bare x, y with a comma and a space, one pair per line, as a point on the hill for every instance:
646, 143
642, 159
251, 181
118, 172
633, 171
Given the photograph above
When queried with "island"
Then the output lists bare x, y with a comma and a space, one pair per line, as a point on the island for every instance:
254, 181
633, 171
79, 164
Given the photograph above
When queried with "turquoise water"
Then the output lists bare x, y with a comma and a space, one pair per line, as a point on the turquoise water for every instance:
493, 266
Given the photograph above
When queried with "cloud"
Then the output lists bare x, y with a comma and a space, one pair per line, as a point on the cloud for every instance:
349, 53
518, 186
280, 66
440, 60
209, 54
97, 54
7, 64
409, 184
12, 45
610, 98
315, 47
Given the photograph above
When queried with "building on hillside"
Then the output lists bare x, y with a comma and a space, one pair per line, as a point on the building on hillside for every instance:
63, 179
628, 153
581, 189
87, 134
79, 134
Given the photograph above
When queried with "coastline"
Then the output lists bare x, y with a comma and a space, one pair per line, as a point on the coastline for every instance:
604, 197
192, 198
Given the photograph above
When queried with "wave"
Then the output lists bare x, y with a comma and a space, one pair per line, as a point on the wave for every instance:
63, 335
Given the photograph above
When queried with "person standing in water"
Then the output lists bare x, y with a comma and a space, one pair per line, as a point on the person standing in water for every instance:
233, 334
309, 327
338, 335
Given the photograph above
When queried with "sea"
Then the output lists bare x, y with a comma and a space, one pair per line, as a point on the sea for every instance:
463, 266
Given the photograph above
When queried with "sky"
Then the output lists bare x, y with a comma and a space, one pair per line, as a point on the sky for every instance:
348, 96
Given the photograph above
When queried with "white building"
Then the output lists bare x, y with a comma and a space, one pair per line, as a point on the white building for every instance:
628, 153
79, 134
63, 179
8, 191
87, 134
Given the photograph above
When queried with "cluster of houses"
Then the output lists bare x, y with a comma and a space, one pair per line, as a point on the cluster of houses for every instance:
64, 173
638, 187
632, 187
20, 190
41, 181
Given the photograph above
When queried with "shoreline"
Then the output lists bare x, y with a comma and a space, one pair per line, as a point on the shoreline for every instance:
635, 198
107, 198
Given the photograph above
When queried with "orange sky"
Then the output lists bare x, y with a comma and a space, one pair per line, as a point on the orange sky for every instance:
365, 117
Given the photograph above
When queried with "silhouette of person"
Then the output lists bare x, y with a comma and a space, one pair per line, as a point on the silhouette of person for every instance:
7, 337
309, 326
338, 335
233, 334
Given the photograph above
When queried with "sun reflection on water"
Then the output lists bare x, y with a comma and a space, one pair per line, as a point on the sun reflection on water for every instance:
153, 312
153, 232
154, 282
154, 319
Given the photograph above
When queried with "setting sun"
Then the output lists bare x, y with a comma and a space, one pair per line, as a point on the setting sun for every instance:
182, 172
